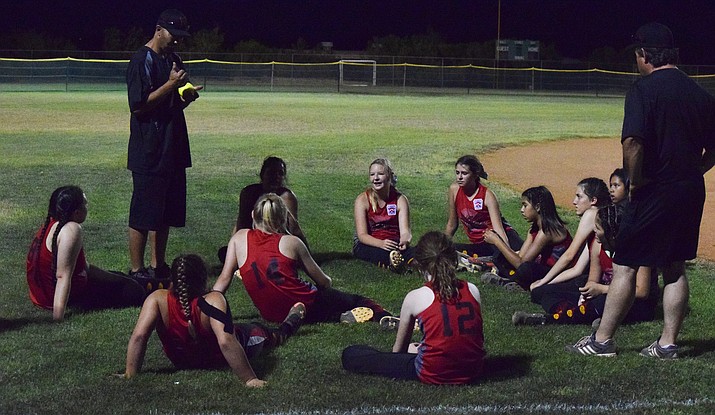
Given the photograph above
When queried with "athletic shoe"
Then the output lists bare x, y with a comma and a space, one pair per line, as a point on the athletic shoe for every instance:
146, 278
513, 286
397, 262
659, 352
473, 263
290, 324
493, 278
392, 323
389, 322
522, 318
356, 315
588, 346
161, 272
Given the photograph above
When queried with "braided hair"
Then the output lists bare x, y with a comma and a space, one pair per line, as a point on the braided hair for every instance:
609, 217
436, 256
271, 214
189, 275
372, 195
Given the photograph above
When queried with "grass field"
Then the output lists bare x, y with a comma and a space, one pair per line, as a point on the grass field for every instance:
52, 139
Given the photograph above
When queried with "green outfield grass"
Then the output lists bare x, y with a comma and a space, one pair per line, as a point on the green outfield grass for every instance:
52, 139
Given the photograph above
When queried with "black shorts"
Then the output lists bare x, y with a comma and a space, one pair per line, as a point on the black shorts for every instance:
661, 224
158, 201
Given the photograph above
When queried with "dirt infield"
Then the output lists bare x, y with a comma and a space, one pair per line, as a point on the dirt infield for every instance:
559, 165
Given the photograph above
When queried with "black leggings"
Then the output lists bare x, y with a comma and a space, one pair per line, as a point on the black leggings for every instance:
331, 303
109, 290
368, 360
379, 256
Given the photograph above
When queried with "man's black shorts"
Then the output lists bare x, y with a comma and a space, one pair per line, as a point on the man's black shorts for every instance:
661, 224
158, 201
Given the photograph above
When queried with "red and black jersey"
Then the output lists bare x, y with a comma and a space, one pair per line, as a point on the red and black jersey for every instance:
452, 346
184, 351
383, 223
42, 281
271, 278
473, 213
551, 253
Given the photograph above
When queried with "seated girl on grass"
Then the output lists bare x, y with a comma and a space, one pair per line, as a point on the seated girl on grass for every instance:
382, 221
477, 208
576, 302
196, 328
591, 193
547, 239
58, 273
449, 314
268, 259
272, 180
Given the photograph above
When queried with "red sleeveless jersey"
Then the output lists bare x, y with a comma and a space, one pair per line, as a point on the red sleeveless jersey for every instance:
271, 278
473, 213
551, 253
42, 281
383, 223
452, 347
184, 351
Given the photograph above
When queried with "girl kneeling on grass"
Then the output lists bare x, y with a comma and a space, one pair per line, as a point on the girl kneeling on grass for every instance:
196, 329
268, 259
477, 208
571, 303
548, 238
58, 273
448, 311
382, 221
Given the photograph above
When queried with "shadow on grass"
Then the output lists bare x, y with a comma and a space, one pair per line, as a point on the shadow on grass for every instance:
323, 257
7, 324
499, 368
695, 348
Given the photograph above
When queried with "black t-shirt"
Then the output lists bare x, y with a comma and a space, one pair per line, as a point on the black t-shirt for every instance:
158, 140
674, 118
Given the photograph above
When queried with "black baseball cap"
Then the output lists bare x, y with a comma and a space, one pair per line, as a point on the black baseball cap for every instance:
653, 35
175, 22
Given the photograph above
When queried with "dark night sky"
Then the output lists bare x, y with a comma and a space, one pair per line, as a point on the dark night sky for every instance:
575, 27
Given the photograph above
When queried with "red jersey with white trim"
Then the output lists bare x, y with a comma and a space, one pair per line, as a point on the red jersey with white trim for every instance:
383, 222
551, 253
271, 278
452, 346
473, 213
184, 351
40, 278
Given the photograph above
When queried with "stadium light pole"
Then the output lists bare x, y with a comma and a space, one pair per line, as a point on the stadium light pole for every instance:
496, 48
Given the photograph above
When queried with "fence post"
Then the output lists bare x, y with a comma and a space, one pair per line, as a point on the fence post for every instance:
404, 77
273, 64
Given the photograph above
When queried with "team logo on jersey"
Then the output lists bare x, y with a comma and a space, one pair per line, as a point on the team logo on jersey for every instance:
478, 204
391, 209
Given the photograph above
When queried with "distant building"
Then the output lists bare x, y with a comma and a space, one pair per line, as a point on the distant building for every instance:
518, 50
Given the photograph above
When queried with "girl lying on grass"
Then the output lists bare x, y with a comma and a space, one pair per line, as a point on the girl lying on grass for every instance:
268, 259
58, 273
448, 311
548, 238
196, 328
